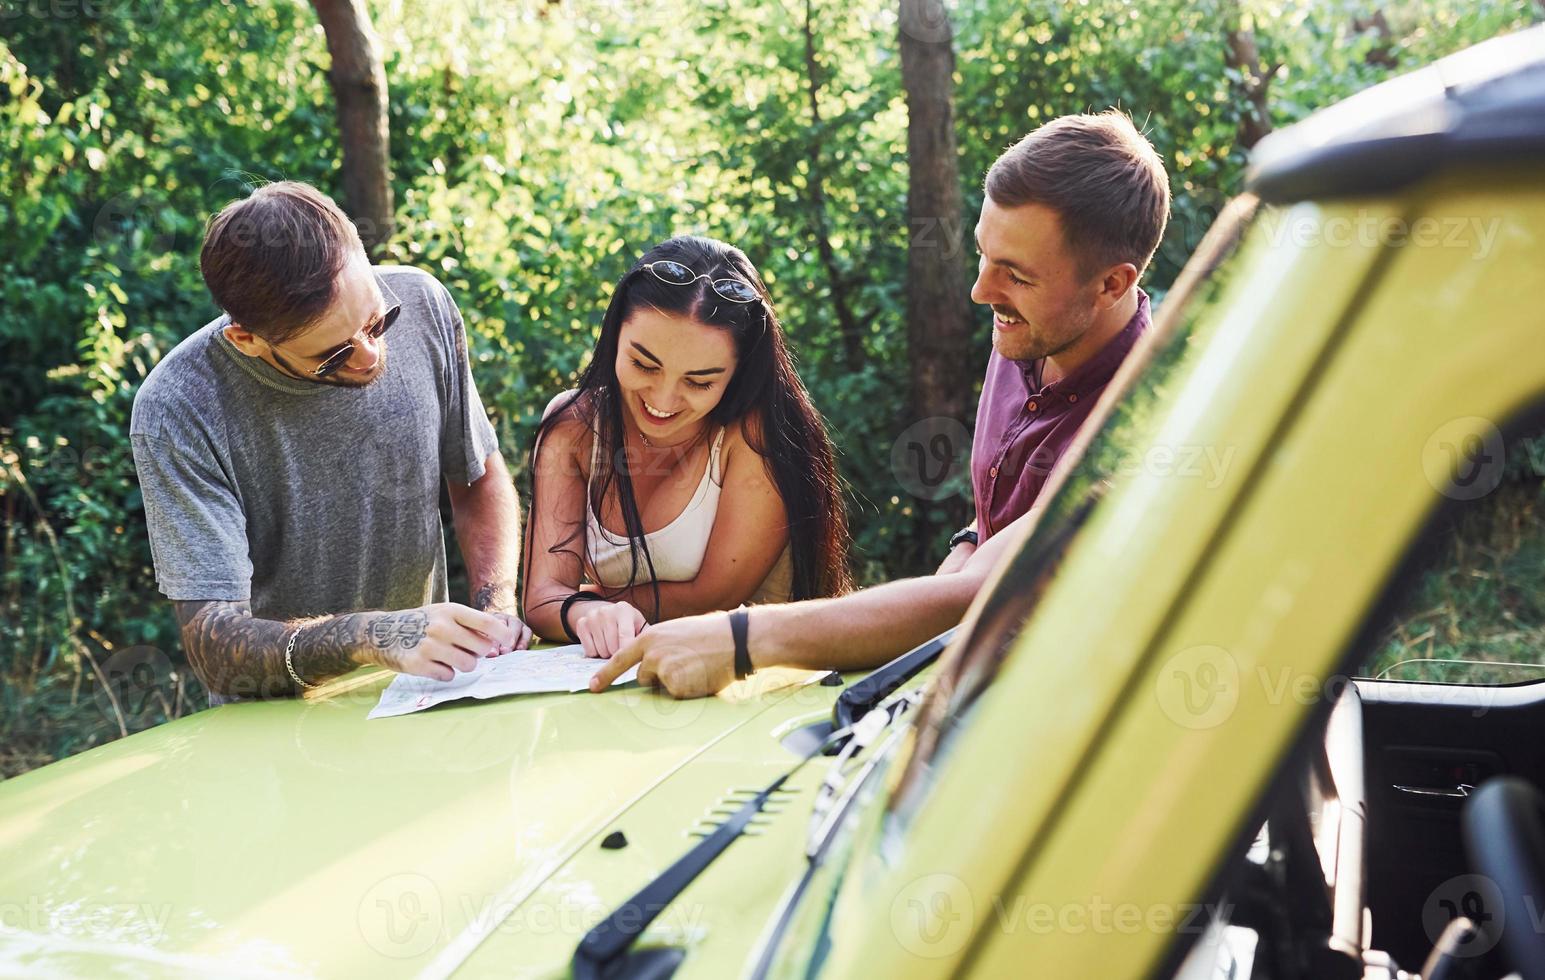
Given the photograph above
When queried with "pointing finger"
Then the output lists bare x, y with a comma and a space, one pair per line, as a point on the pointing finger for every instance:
625, 658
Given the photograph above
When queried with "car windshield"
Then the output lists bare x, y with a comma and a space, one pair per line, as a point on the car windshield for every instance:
1110, 448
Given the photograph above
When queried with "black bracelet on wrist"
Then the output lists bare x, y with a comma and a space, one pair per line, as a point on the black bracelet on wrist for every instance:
964, 534
563, 613
739, 619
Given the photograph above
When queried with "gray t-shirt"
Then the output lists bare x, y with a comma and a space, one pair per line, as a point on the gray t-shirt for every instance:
310, 499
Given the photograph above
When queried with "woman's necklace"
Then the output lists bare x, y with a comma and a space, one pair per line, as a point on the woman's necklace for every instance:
680, 448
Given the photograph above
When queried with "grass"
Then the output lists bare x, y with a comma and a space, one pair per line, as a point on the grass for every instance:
67, 712
1479, 606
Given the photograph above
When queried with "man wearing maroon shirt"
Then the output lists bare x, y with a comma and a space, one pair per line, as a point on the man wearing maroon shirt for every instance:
1072, 215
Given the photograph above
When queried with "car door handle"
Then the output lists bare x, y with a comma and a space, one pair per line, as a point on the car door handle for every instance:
1458, 792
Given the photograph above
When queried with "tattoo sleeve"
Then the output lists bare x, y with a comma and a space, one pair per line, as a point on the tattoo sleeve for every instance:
238, 655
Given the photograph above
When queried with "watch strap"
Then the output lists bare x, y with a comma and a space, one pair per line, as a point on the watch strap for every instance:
739, 620
964, 534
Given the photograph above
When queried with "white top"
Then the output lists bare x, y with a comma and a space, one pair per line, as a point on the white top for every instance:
677, 549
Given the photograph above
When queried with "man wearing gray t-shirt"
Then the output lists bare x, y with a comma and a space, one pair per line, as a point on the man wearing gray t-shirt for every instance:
290, 454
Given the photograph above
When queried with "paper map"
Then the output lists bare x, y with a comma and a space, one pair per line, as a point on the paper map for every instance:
554, 670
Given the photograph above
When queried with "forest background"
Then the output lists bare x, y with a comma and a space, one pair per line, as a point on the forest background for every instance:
532, 151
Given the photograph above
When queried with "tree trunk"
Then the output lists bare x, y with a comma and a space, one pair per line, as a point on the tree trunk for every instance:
847, 324
358, 81
938, 311
1241, 54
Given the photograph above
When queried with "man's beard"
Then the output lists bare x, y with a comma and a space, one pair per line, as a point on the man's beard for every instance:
1032, 343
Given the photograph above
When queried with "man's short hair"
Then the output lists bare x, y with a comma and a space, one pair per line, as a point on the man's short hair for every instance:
272, 259
1102, 177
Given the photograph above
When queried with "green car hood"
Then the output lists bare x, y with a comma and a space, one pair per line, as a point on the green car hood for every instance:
296, 837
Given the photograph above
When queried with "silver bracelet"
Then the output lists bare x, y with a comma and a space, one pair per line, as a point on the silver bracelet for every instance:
289, 665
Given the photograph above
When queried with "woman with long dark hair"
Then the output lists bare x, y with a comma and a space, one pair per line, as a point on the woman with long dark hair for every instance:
689, 471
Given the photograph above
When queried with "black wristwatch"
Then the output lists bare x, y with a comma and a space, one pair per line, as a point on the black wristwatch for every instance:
964, 534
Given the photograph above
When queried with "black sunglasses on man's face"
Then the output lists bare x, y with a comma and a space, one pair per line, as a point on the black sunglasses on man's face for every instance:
339, 356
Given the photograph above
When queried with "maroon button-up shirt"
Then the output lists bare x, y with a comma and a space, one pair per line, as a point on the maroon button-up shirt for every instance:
1022, 429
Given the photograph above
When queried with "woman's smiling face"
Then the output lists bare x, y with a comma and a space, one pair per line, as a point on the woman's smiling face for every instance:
672, 371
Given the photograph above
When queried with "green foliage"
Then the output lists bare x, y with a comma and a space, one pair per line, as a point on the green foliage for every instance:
538, 147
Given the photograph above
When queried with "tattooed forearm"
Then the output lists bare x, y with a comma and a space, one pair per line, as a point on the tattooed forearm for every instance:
238, 655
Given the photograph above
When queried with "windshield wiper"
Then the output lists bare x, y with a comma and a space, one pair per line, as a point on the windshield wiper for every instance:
839, 788
603, 953
863, 696
837, 796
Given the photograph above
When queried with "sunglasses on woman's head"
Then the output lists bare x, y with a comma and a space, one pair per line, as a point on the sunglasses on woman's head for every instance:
734, 290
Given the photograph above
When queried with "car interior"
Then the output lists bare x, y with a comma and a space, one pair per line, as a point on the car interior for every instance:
1405, 834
